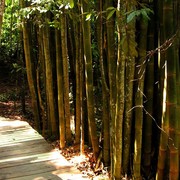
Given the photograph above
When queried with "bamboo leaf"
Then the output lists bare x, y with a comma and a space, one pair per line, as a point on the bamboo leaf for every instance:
110, 8
145, 14
71, 3
131, 16
88, 17
111, 14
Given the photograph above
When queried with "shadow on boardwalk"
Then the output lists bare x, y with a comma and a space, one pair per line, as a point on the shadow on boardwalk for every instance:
25, 155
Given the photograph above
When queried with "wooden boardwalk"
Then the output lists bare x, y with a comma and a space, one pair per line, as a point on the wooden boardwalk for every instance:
25, 155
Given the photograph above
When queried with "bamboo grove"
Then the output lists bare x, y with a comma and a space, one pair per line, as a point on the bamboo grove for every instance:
121, 57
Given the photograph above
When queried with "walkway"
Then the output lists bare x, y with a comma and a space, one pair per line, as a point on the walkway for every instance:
25, 155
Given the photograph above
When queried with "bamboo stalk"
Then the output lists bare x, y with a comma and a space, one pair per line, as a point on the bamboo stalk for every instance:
112, 65
65, 76
30, 69
129, 81
105, 89
60, 90
149, 97
139, 93
171, 91
120, 81
89, 79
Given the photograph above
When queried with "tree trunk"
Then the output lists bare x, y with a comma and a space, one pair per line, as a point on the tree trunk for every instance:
139, 93
49, 83
171, 103
60, 89
148, 105
89, 79
170, 124
78, 66
112, 65
120, 81
131, 53
30, 70
40, 72
105, 89
65, 77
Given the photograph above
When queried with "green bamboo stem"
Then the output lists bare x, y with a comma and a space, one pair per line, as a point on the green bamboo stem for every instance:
162, 156
112, 65
49, 82
120, 81
105, 90
78, 86
30, 70
65, 76
140, 74
89, 79
129, 77
40, 72
178, 90
171, 91
149, 93
60, 90
81, 82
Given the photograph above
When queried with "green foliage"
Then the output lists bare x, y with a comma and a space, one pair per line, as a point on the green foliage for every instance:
71, 3
144, 12
10, 31
111, 11
18, 68
9, 96
38, 8
10, 35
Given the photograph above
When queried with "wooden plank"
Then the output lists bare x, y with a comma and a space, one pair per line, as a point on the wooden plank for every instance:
9, 130
25, 155
23, 145
9, 124
54, 175
8, 141
36, 168
26, 151
25, 169
41, 176
15, 161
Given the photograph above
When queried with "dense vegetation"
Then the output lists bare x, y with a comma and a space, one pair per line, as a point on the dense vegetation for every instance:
102, 73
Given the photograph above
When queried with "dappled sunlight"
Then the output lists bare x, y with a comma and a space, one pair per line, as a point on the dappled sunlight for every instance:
79, 159
10, 145
39, 178
15, 123
135, 150
68, 176
18, 139
56, 159
14, 159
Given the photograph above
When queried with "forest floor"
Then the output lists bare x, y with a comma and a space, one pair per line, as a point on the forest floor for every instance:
10, 107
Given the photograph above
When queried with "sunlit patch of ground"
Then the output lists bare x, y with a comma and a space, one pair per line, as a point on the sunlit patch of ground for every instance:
85, 163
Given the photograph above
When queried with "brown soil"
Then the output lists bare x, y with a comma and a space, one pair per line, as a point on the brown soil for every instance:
10, 105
